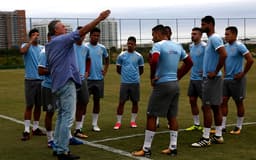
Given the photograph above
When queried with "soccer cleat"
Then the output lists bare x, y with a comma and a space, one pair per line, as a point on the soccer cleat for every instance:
78, 133
133, 125
68, 156
194, 127
170, 152
212, 131
117, 126
216, 140
96, 128
38, 132
142, 153
75, 141
203, 142
50, 144
25, 136
235, 131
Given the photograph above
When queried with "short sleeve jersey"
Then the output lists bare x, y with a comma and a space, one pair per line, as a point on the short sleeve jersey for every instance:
82, 55
31, 60
130, 63
234, 61
47, 80
97, 53
211, 56
170, 53
197, 56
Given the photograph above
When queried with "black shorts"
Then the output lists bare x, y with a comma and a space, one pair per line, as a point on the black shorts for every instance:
195, 88
33, 92
83, 93
129, 91
164, 98
96, 88
212, 91
48, 100
235, 89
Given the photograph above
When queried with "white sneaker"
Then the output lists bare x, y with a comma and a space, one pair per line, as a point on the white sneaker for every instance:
201, 143
96, 128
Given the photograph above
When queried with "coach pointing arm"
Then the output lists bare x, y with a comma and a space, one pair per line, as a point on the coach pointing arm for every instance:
103, 15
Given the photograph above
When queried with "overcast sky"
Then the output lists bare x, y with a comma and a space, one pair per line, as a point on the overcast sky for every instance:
134, 8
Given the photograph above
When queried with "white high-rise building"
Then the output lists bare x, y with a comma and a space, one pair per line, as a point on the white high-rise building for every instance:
12, 28
43, 30
108, 36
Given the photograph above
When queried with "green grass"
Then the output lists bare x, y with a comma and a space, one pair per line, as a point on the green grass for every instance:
12, 104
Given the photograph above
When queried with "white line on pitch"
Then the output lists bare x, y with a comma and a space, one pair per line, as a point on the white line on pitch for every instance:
17, 121
92, 144
161, 132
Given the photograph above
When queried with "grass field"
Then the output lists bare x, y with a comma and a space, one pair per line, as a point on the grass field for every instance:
117, 144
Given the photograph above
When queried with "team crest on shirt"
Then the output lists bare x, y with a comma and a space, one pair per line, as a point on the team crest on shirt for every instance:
100, 52
198, 51
172, 52
134, 58
233, 50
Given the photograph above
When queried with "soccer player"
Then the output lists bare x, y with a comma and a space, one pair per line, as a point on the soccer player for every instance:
169, 34
48, 100
83, 62
197, 49
97, 52
163, 101
235, 77
65, 78
214, 60
31, 52
130, 65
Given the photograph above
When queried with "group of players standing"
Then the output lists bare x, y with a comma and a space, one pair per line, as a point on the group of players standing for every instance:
205, 82
84, 67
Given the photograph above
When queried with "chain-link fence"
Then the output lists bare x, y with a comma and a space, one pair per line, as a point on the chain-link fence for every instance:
181, 27
138, 27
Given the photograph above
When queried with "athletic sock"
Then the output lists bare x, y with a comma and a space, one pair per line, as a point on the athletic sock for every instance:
224, 121
133, 117
70, 135
206, 133
239, 122
119, 118
49, 135
196, 120
149, 135
95, 117
78, 125
157, 121
173, 140
82, 121
218, 132
35, 125
27, 125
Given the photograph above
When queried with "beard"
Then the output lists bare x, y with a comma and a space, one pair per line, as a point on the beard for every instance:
205, 30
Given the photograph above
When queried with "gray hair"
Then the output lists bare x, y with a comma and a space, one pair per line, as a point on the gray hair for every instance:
51, 27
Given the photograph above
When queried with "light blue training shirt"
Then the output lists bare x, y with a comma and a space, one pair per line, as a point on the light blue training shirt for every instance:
197, 56
211, 56
235, 57
170, 53
130, 63
97, 53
